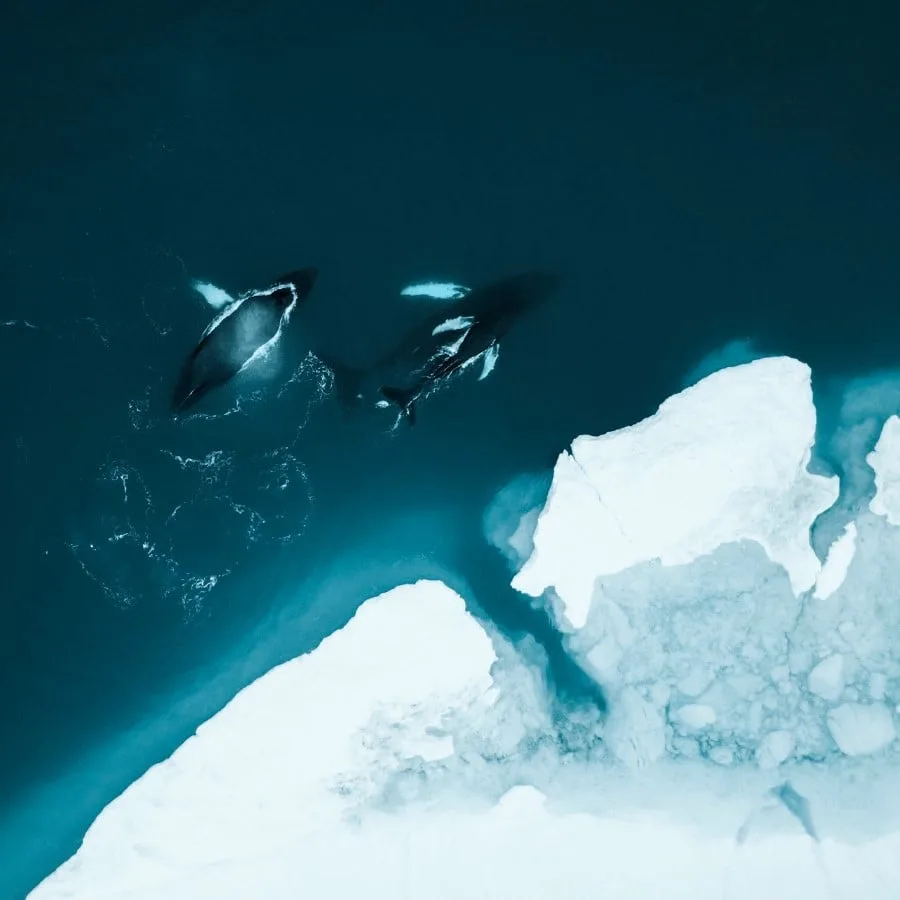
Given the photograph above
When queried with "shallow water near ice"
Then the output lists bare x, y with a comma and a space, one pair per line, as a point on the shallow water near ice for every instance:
690, 196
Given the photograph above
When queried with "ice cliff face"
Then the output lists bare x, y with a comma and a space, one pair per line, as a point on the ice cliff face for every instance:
748, 750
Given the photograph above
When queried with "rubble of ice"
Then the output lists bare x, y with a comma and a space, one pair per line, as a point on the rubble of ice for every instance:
748, 749
826, 680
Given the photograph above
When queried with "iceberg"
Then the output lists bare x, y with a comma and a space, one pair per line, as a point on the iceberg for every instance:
721, 462
860, 729
676, 557
283, 764
748, 749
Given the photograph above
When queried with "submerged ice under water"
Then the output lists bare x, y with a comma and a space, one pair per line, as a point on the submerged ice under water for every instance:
750, 742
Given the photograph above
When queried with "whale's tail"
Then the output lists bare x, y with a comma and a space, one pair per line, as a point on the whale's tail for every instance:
348, 382
405, 399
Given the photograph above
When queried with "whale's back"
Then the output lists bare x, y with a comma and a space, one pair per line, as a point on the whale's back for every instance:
223, 352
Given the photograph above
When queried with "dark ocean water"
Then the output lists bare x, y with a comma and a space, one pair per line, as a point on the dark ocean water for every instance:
697, 176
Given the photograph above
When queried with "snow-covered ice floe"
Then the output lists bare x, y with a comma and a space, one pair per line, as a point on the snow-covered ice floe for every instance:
748, 746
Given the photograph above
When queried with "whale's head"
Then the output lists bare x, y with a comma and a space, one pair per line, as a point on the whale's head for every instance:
294, 286
286, 292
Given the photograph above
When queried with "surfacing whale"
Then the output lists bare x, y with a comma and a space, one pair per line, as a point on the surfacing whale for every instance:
240, 334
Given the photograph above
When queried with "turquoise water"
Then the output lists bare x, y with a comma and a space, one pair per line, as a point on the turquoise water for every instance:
696, 179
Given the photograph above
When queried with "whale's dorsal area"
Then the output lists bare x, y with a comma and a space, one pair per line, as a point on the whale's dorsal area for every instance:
242, 331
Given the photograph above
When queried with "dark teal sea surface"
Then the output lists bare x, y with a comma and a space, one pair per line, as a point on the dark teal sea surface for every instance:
698, 173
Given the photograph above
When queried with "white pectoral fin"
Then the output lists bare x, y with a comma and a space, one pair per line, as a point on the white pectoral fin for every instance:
459, 323
214, 296
436, 290
490, 360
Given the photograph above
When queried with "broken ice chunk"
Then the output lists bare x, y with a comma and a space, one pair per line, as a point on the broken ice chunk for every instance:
837, 564
799, 660
618, 636
686, 746
859, 729
635, 731
774, 749
827, 679
659, 694
754, 718
693, 717
877, 685
722, 756
883, 460
695, 683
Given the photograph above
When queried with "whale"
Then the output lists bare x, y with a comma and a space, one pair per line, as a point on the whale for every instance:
243, 332
482, 321
451, 338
